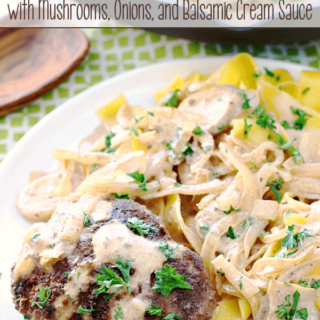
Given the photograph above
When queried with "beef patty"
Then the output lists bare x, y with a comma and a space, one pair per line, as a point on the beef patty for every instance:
57, 273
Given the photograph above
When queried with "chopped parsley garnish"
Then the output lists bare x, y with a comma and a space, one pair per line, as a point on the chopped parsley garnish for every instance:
198, 131
305, 90
108, 138
221, 128
154, 310
171, 316
271, 74
240, 284
302, 314
151, 113
26, 316
36, 237
69, 297
222, 274
204, 227
288, 284
135, 129
140, 178
171, 100
84, 310
109, 282
292, 240
289, 213
275, 186
256, 74
216, 174
17, 300
164, 248
283, 255
119, 313
124, 267
95, 167
251, 161
141, 227
231, 234
78, 275
245, 101
206, 149
289, 147
43, 294
284, 312
263, 234
315, 285
167, 279
247, 127
304, 283
187, 151
52, 246
263, 118
300, 122
121, 196
176, 184
232, 209
86, 221
248, 222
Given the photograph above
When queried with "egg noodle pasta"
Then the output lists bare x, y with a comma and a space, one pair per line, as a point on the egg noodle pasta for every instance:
230, 162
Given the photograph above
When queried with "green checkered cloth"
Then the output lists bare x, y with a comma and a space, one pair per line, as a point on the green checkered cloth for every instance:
114, 51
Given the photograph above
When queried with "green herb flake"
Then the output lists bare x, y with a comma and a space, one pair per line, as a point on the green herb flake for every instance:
206, 149
36, 237
141, 227
134, 129
171, 99
69, 297
187, 151
67, 275
232, 209
151, 113
245, 101
52, 246
240, 284
204, 228
108, 138
247, 127
305, 90
302, 314
198, 131
164, 248
171, 316
292, 240
86, 221
289, 213
315, 284
121, 196
275, 186
17, 300
302, 120
231, 234
154, 310
221, 128
26, 316
263, 234
304, 283
263, 118
167, 279
119, 313
43, 294
140, 179
289, 147
222, 274
84, 310
269, 73
95, 167
176, 184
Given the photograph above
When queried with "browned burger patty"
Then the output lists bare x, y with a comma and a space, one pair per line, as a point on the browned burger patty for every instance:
57, 274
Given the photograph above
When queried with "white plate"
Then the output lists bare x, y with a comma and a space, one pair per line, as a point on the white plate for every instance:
64, 128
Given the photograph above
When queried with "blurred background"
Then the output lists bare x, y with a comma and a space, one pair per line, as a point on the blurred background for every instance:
118, 50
